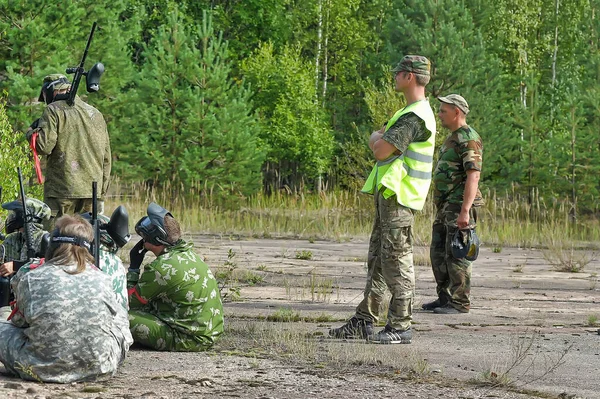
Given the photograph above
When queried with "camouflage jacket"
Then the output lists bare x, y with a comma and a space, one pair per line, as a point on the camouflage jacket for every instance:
112, 265
179, 288
67, 327
461, 151
15, 246
76, 143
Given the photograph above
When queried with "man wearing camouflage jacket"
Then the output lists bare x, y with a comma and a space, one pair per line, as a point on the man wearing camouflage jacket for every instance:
456, 197
75, 141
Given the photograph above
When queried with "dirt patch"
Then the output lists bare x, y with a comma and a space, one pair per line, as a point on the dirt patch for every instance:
531, 332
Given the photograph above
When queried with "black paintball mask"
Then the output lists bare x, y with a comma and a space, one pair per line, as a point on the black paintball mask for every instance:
152, 227
114, 232
14, 221
47, 92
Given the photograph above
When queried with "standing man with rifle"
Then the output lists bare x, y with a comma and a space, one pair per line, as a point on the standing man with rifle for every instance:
73, 136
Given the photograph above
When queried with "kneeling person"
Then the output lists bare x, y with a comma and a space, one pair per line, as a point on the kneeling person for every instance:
175, 305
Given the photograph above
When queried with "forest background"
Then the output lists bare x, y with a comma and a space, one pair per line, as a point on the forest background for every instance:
234, 99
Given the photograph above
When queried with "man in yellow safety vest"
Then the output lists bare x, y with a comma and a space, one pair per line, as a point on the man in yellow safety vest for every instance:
399, 181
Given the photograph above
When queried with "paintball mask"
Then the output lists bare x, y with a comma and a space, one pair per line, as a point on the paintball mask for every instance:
152, 227
114, 232
51, 83
465, 244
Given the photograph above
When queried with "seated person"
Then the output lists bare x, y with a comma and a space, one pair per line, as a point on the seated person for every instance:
66, 324
114, 234
175, 304
15, 246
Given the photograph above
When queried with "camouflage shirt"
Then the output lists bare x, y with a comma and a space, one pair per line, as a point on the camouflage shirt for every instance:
408, 128
67, 327
76, 143
461, 151
179, 289
112, 265
15, 247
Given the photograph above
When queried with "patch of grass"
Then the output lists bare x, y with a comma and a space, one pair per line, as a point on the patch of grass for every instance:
528, 361
304, 255
262, 268
421, 257
251, 278
564, 258
285, 315
497, 250
93, 389
592, 320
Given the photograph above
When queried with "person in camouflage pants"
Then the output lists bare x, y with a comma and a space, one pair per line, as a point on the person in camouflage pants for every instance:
76, 144
457, 197
66, 325
175, 303
15, 247
409, 133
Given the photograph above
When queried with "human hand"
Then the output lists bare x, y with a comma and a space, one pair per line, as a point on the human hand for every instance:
6, 269
136, 255
463, 220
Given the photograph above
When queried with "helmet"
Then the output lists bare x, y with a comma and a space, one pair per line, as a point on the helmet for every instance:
152, 227
465, 244
36, 210
52, 82
114, 232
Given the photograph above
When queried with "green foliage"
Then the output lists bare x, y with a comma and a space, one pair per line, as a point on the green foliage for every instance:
189, 123
304, 255
294, 125
14, 154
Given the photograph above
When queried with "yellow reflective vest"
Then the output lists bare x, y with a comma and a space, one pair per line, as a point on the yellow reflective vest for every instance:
408, 176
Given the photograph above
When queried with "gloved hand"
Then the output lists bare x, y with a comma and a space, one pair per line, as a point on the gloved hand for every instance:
136, 255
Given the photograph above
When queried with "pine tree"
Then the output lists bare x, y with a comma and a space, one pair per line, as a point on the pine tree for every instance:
190, 124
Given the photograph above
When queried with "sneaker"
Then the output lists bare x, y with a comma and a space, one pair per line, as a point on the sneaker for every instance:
353, 329
448, 309
390, 335
431, 305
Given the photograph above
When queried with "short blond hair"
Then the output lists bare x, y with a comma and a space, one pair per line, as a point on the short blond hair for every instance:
173, 229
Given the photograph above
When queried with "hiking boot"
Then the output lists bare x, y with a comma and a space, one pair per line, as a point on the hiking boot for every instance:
390, 335
353, 329
448, 309
431, 305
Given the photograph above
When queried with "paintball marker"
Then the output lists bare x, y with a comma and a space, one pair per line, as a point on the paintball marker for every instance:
92, 76
26, 220
96, 224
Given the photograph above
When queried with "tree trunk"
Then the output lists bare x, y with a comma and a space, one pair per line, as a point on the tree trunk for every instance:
318, 55
325, 54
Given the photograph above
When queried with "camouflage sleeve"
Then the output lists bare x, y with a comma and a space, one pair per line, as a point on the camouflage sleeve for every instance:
471, 152
154, 280
47, 129
408, 128
106, 169
13, 245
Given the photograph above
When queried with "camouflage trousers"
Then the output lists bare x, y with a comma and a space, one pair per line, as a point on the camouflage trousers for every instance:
65, 206
452, 276
390, 264
149, 330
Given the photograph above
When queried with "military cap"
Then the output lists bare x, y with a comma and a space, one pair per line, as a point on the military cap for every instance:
415, 64
37, 209
456, 100
60, 81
